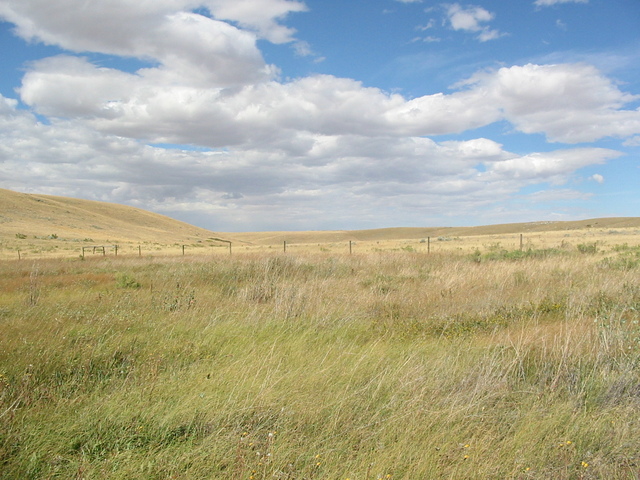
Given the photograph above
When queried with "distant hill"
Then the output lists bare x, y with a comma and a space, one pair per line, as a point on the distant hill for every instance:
37, 216
409, 233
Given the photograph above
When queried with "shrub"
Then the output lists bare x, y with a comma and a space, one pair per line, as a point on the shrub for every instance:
124, 280
588, 248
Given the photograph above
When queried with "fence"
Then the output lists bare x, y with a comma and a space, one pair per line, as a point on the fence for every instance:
424, 245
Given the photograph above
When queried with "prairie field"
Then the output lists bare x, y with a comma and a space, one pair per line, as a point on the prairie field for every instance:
488, 363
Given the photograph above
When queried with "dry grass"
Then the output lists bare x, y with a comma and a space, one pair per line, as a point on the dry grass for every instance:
495, 363
42, 226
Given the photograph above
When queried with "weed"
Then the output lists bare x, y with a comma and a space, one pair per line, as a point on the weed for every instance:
181, 298
627, 258
588, 248
124, 280
497, 254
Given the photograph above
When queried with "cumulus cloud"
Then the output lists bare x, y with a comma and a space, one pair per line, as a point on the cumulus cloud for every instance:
568, 103
472, 19
553, 167
321, 143
212, 87
261, 16
596, 177
190, 47
118, 26
375, 179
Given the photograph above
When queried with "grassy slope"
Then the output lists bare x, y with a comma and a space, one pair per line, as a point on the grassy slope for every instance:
42, 215
75, 219
417, 233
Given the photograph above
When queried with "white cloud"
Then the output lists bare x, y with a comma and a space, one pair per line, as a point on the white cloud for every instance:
118, 26
468, 18
596, 177
430, 24
190, 47
546, 3
632, 142
261, 16
472, 19
553, 167
374, 179
569, 103
321, 143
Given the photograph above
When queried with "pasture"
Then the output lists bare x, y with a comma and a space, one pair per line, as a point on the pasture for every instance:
476, 360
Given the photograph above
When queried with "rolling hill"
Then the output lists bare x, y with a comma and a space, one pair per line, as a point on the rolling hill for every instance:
37, 216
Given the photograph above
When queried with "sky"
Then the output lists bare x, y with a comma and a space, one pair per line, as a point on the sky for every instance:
263, 115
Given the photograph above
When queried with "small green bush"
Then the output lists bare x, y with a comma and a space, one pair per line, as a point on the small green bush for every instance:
588, 248
124, 280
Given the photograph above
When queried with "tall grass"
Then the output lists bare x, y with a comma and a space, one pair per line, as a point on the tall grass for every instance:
392, 365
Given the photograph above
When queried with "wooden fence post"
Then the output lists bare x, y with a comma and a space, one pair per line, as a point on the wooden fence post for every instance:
520, 242
350, 251
285, 246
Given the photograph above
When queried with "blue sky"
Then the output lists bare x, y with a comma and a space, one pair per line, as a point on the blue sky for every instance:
246, 115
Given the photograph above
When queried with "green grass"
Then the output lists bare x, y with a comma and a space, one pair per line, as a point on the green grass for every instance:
397, 365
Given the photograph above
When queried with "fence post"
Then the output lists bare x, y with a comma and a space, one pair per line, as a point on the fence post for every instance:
520, 242
139, 251
183, 250
350, 252
116, 250
428, 244
285, 246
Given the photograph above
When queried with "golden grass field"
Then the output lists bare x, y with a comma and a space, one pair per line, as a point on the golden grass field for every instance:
40, 226
478, 360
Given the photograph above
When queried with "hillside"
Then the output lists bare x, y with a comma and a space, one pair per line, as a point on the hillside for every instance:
416, 233
46, 223
46, 215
